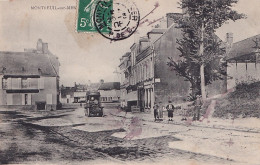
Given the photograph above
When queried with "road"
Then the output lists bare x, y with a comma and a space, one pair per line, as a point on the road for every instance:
68, 137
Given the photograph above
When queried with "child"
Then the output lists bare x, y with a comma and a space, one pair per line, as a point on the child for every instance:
170, 109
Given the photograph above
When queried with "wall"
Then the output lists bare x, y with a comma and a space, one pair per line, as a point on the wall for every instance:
240, 72
115, 94
47, 93
168, 85
50, 90
123, 101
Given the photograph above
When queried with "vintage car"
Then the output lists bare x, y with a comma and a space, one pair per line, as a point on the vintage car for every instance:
93, 105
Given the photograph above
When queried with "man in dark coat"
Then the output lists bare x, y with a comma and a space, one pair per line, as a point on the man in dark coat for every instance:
198, 104
155, 110
170, 109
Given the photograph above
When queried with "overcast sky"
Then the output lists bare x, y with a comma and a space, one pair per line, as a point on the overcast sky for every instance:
88, 56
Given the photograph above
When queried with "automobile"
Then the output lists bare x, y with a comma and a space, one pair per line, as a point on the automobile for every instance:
93, 106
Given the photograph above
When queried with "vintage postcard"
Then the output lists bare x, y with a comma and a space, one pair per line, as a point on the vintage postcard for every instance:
130, 82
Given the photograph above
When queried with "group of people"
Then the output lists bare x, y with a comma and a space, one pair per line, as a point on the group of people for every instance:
158, 111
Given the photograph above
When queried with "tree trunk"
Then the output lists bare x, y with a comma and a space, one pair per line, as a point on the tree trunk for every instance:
202, 82
202, 75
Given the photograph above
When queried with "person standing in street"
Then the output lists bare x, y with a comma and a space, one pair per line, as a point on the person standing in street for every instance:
170, 109
155, 111
198, 104
160, 111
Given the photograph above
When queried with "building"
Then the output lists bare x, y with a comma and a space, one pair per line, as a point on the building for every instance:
150, 79
127, 97
29, 79
67, 95
76, 94
80, 93
109, 92
243, 60
145, 77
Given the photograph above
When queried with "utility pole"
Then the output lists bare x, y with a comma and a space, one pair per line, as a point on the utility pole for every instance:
118, 74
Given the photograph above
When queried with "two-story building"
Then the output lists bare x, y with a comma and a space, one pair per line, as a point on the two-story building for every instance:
29, 79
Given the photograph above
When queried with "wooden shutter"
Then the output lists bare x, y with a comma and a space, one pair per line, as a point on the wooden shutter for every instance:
23, 99
41, 83
49, 98
14, 83
9, 83
1, 83
19, 81
9, 99
29, 99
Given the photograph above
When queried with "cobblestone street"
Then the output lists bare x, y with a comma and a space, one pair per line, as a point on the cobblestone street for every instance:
70, 137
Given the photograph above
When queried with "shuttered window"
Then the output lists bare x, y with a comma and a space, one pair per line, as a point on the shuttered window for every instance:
49, 98
41, 83
9, 99
9, 83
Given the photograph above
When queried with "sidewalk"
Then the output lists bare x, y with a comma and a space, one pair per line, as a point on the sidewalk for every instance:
245, 125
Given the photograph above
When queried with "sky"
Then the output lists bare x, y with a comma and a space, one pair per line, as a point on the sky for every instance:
89, 56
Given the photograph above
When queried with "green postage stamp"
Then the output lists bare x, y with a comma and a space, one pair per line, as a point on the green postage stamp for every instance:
86, 11
113, 19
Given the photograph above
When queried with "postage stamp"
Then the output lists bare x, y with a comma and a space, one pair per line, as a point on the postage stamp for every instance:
86, 10
113, 19
121, 20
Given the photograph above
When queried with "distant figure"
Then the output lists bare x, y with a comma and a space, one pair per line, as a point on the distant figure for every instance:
184, 109
164, 109
160, 111
155, 111
170, 109
198, 103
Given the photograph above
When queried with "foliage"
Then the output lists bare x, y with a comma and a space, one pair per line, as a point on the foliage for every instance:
243, 102
199, 46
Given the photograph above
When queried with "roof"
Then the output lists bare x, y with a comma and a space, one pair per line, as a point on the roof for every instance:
93, 86
144, 39
157, 30
27, 63
127, 54
243, 48
110, 86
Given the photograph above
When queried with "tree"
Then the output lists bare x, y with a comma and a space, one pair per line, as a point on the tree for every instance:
200, 48
102, 81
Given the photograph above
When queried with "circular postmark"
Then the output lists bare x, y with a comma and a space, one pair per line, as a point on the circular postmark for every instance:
116, 20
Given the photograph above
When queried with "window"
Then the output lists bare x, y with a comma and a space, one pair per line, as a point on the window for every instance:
41, 83
49, 98
26, 99
4, 83
24, 83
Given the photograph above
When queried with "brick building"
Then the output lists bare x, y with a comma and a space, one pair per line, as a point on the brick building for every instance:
29, 79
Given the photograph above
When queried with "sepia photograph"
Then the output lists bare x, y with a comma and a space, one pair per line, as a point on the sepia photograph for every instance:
130, 82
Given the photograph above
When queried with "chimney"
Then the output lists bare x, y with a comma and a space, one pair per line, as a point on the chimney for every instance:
45, 48
173, 18
229, 41
136, 37
154, 34
229, 38
39, 45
